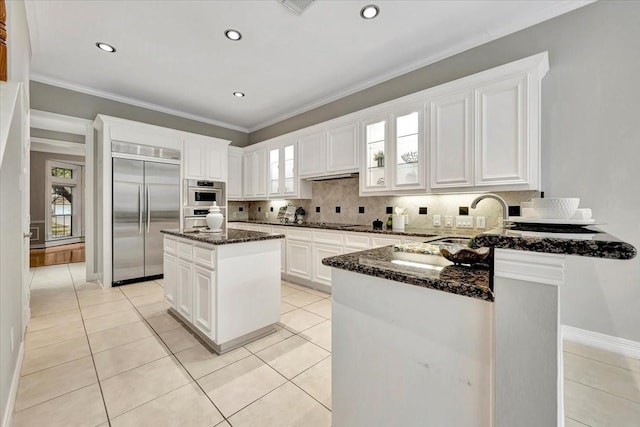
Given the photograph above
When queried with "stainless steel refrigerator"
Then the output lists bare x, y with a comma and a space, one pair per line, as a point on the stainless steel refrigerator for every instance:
146, 199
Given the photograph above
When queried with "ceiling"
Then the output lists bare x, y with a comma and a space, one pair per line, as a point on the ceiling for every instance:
172, 56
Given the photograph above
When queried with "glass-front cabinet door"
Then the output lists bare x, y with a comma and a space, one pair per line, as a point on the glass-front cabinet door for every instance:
408, 150
282, 180
376, 155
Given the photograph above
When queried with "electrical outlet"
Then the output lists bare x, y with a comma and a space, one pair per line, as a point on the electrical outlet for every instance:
422, 210
266, 215
464, 221
235, 214
12, 338
480, 222
436, 220
448, 221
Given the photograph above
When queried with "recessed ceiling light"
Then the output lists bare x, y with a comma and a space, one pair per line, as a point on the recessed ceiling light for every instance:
106, 47
370, 11
238, 94
233, 35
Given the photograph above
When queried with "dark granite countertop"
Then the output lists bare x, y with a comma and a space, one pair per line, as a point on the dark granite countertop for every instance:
418, 232
581, 241
470, 281
230, 236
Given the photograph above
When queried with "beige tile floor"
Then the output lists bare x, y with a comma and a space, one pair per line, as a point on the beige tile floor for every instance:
97, 357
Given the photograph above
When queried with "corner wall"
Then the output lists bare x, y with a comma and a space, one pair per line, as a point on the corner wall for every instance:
590, 146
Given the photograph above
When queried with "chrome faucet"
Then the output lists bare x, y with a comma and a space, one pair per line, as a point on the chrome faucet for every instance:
505, 207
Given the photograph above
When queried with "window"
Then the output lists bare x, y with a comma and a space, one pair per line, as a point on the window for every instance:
64, 200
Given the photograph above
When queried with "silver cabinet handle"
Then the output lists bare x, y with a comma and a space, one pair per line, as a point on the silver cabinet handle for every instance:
139, 209
148, 208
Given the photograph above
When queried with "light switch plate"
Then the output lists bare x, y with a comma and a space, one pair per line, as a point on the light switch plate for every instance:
480, 222
464, 221
436, 220
448, 221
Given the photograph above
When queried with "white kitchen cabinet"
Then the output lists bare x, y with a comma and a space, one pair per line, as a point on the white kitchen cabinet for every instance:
255, 174
502, 125
342, 149
378, 241
331, 151
311, 159
322, 273
184, 303
235, 175
451, 140
299, 259
170, 270
283, 175
394, 153
205, 158
204, 300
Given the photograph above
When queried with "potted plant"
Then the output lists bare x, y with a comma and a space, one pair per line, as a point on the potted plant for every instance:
379, 157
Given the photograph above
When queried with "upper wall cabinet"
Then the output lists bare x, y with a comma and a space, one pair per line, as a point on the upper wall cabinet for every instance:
255, 173
450, 127
235, 168
394, 153
205, 158
328, 152
283, 177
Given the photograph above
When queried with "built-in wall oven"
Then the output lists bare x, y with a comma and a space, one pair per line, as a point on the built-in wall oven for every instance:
199, 196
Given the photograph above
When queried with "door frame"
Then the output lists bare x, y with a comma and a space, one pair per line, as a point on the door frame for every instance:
77, 126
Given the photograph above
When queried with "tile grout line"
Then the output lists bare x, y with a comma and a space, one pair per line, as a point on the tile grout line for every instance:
177, 360
578, 421
603, 391
95, 369
602, 361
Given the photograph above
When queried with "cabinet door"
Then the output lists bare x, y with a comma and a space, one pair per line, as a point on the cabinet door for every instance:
311, 155
194, 159
216, 161
248, 174
451, 141
501, 133
185, 290
170, 271
299, 259
374, 176
259, 162
274, 171
322, 273
408, 151
342, 149
234, 174
288, 169
204, 301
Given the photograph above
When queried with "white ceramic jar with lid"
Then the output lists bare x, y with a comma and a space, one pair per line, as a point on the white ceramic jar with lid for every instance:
215, 218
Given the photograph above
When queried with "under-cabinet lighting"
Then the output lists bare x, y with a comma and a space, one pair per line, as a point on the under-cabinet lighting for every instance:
370, 11
106, 47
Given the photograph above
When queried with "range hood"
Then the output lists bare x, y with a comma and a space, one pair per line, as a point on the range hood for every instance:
331, 177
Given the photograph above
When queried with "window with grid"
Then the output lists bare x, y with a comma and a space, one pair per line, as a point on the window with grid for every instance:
64, 199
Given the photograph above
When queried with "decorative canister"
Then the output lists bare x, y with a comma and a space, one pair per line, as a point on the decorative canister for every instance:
215, 219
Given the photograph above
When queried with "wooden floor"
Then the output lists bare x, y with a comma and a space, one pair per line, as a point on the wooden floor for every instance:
63, 254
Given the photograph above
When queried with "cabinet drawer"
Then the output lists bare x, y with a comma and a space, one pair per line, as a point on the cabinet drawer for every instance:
170, 245
264, 229
377, 242
185, 250
356, 241
299, 235
327, 237
205, 256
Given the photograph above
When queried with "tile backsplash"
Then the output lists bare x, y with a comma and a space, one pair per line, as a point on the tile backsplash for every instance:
339, 202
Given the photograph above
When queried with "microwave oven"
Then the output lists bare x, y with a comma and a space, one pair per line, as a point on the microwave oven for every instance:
204, 193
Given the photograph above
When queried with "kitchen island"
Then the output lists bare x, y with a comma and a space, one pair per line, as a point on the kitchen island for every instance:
223, 286
480, 346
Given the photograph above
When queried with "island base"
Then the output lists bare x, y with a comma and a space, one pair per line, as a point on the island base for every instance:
229, 345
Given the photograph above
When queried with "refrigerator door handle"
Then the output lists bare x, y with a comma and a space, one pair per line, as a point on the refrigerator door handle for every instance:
139, 209
148, 208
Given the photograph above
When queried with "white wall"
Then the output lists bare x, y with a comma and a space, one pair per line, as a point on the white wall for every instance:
11, 206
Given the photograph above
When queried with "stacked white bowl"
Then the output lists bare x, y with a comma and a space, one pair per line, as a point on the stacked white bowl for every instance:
552, 208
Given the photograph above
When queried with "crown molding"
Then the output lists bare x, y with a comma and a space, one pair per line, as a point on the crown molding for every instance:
130, 101
46, 145
512, 27
59, 122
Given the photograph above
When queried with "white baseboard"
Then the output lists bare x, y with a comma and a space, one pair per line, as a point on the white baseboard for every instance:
610, 343
7, 417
